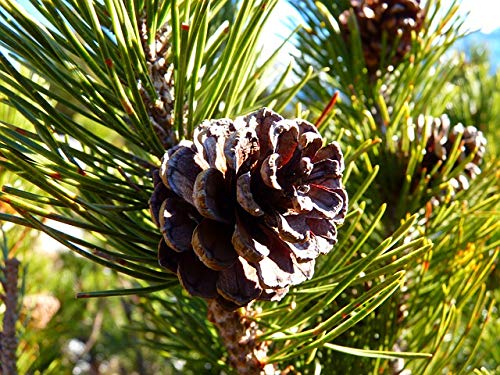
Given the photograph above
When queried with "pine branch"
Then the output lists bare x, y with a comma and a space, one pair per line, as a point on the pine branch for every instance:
410, 84
238, 332
386, 106
134, 79
93, 63
8, 338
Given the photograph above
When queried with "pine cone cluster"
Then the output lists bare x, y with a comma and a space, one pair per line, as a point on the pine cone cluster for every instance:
378, 19
161, 72
247, 206
441, 137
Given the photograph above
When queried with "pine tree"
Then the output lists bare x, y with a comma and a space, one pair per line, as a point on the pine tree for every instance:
357, 236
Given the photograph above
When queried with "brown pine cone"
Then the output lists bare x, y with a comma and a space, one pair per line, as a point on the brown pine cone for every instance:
247, 206
472, 140
437, 139
441, 138
394, 18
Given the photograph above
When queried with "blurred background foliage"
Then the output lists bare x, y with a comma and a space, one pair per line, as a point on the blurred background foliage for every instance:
438, 300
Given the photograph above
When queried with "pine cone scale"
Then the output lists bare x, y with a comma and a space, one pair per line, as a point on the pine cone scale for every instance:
181, 172
287, 232
276, 270
324, 169
244, 195
160, 194
242, 147
324, 203
281, 268
269, 171
310, 143
247, 246
195, 277
286, 142
239, 283
176, 223
167, 257
210, 241
208, 195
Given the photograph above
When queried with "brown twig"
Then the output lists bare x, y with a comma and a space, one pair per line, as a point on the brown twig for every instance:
95, 333
19, 241
239, 334
8, 339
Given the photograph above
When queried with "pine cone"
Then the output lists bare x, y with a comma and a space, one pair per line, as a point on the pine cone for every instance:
472, 140
247, 206
394, 18
441, 138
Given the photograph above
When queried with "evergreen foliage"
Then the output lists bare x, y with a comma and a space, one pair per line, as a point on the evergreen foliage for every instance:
411, 283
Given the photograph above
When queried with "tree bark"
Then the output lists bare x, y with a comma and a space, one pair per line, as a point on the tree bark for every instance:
8, 339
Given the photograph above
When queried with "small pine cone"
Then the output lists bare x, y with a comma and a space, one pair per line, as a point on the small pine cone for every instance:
437, 139
472, 141
394, 18
161, 72
247, 206
441, 137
